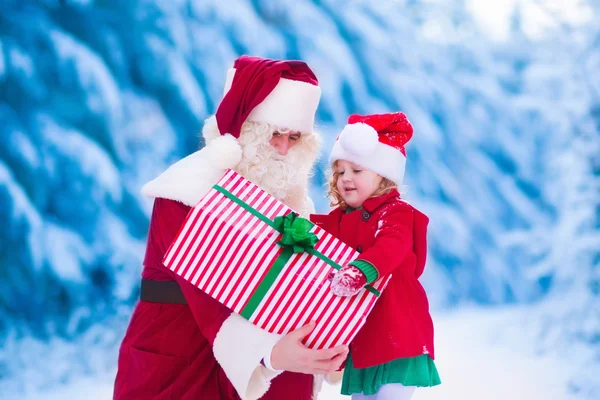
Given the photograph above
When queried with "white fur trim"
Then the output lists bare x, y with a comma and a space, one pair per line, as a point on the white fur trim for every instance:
384, 160
210, 130
360, 139
238, 348
224, 152
186, 181
267, 361
317, 385
292, 104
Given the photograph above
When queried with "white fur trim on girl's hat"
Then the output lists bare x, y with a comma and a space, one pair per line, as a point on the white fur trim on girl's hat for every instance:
356, 144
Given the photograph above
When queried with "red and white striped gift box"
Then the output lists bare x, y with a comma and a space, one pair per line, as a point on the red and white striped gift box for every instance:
228, 251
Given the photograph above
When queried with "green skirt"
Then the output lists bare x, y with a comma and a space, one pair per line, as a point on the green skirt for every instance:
415, 371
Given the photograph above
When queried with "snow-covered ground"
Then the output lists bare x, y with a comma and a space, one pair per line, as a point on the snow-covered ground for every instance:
482, 354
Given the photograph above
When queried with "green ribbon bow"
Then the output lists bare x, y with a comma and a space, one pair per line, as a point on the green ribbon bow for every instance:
295, 232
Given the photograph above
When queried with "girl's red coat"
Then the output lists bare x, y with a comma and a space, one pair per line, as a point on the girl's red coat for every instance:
392, 236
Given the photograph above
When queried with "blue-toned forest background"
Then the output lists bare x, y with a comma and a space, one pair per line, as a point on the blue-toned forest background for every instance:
97, 97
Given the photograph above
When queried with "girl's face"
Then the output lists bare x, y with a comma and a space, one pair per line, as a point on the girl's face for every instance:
355, 183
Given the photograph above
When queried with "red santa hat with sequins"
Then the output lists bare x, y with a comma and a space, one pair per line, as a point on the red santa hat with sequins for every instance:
375, 142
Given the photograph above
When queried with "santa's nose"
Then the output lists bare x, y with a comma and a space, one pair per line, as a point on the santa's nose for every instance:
283, 148
282, 144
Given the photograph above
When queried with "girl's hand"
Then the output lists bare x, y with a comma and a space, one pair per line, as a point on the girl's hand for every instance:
348, 281
290, 354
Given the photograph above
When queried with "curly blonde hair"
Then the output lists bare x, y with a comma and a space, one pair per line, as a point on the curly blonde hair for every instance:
385, 186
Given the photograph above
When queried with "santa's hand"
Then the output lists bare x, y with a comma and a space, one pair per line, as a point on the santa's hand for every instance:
290, 354
348, 281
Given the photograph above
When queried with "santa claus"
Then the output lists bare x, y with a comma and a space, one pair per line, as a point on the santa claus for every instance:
181, 343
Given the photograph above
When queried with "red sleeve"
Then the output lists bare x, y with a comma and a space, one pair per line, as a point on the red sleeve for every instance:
393, 241
167, 218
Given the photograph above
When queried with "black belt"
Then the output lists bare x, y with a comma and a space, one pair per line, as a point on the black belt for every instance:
161, 292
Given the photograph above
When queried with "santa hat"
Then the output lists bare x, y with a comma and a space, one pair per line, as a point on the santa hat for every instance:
375, 142
284, 93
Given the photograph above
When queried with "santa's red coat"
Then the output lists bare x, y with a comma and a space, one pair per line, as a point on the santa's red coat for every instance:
169, 350
392, 236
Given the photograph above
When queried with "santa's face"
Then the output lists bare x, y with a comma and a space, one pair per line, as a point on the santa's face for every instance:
355, 183
278, 160
283, 142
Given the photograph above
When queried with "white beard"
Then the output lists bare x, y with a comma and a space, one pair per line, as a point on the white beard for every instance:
282, 177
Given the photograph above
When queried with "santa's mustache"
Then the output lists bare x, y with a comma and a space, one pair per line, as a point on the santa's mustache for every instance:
284, 177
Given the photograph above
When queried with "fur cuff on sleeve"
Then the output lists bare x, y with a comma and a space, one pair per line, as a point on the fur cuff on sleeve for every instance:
239, 346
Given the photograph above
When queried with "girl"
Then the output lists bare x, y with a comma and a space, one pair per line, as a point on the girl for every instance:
393, 352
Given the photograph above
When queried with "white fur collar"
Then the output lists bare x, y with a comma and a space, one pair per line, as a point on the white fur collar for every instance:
189, 179
186, 181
